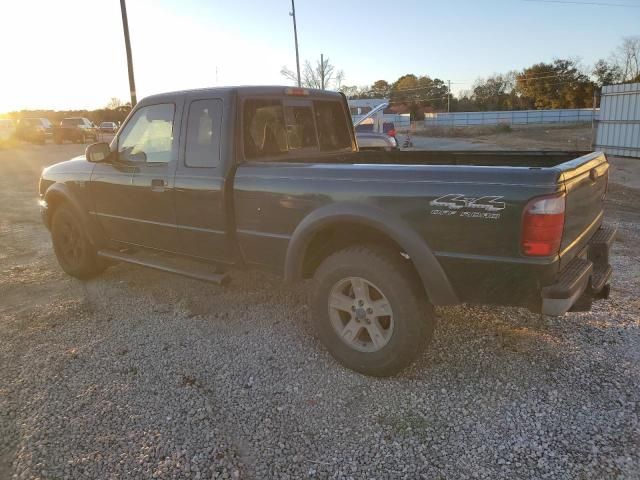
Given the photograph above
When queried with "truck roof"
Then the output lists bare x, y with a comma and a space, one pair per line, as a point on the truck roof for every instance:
252, 90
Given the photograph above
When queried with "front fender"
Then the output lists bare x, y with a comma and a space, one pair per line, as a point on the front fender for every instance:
59, 193
433, 277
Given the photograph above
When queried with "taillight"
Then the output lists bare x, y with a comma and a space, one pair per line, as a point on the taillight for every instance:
542, 226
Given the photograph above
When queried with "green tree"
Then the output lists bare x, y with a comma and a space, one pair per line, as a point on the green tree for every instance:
560, 84
380, 88
606, 73
419, 93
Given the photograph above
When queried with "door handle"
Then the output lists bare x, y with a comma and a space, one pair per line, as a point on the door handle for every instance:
158, 184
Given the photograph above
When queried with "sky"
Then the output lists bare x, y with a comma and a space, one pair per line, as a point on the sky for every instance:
66, 54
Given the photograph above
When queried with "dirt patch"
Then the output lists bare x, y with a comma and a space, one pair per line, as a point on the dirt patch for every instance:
524, 137
462, 132
542, 137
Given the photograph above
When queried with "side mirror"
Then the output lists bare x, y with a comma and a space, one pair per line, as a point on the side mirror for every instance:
97, 152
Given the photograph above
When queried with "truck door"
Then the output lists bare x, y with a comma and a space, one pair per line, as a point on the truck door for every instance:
134, 194
200, 183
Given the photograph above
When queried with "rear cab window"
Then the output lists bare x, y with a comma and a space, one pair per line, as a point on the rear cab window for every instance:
279, 127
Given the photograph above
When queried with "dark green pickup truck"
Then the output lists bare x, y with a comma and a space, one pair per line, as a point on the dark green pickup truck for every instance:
271, 178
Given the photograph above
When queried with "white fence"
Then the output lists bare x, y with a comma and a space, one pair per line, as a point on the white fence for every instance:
510, 117
619, 120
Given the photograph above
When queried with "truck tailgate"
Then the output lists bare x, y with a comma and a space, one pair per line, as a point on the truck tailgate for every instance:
585, 181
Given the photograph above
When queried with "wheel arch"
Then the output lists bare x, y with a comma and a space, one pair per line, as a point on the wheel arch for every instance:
59, 194
384, 228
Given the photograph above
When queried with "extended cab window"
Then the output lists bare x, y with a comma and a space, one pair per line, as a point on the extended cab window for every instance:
203, 133
148, 136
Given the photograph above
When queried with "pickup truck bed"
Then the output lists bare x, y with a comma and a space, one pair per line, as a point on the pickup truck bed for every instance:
479, 249
271, 178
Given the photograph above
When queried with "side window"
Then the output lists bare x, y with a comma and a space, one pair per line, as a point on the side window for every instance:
148, 136
333, 130
202, 148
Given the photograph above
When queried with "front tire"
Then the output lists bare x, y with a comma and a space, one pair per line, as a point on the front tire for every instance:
74, 251
370, 311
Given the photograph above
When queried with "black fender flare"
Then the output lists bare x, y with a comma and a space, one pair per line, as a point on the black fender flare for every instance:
59, 192
434, 279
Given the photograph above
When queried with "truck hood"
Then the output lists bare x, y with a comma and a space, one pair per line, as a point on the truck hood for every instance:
77, 164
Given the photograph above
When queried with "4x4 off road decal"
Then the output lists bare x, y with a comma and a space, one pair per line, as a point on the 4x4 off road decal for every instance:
456, 204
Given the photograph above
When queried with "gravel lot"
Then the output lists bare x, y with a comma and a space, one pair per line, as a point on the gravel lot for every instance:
139, 374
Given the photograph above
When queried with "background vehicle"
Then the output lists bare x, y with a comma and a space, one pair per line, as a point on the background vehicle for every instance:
108, 127
271, 178
376, 141
35, 130
373, 133
75, 129
7, 129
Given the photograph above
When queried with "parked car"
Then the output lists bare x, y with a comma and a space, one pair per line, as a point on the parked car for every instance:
271, 178
108, 127
376, 141
36, 130
75, 129
7, 129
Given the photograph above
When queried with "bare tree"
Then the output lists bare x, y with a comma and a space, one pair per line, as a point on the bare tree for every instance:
627, 58
353, 91
114, 103
312, 75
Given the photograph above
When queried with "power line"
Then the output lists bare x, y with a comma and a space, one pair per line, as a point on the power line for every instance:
599, 4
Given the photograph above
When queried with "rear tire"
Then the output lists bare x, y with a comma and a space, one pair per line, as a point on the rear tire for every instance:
351, 289
74, 251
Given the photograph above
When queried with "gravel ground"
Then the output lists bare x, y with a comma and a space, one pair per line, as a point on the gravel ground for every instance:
139, 374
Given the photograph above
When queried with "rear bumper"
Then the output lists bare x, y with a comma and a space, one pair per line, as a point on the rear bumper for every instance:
584, 279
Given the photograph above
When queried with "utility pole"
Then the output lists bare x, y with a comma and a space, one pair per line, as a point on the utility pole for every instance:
593, 118
127, 43
295, 34
449, 96
322, 70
